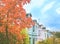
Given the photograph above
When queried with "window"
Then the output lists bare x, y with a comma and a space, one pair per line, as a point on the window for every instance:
33, 28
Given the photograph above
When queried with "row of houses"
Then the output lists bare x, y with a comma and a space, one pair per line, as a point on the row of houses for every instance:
38, 32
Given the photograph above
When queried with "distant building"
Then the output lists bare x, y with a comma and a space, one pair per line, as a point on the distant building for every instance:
44, 33
38, 33
33, 33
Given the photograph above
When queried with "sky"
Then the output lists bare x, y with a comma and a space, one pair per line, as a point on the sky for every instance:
46, 12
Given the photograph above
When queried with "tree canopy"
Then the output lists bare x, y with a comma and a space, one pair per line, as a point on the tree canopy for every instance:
13, 18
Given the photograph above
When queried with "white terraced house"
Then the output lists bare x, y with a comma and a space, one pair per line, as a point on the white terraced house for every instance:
38, 33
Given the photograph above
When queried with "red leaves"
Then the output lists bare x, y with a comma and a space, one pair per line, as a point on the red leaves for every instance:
2, 29
13, 14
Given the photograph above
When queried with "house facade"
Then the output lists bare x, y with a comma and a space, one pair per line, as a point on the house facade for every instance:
38, 33
33, 33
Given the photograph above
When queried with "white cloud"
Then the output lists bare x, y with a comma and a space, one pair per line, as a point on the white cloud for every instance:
27, 8
37, 2
48, 6
53, 29
33, 4
58, 10
34, 18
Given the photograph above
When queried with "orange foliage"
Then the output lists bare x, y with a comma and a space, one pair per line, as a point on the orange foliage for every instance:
13, 14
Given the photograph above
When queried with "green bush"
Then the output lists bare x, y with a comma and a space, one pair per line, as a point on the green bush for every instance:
26, 38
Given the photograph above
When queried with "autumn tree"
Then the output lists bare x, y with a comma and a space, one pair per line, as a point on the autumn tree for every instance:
12, 20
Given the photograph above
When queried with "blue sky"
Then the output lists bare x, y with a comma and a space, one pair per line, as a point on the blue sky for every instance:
46, 12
